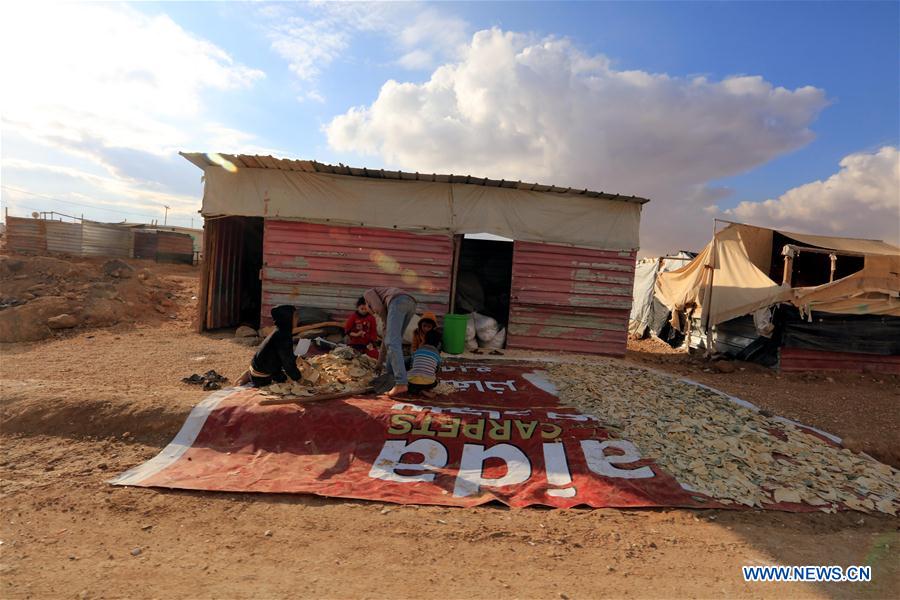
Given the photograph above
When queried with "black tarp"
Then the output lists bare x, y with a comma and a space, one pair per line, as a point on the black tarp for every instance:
867, 334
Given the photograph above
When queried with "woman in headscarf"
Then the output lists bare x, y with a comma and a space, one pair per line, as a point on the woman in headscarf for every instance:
274, 360
395, 308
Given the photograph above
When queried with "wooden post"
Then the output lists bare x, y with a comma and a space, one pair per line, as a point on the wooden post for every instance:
203, 297
457, 245
788, 266
707, 303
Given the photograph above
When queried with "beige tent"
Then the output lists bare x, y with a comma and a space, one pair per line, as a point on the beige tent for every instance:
731, 277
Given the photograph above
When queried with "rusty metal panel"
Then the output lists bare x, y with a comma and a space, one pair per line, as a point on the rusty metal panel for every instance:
106, 239
174, 247
222, 281
799, 359
145, 244
321, 266
64, 238
571, 299
28, 236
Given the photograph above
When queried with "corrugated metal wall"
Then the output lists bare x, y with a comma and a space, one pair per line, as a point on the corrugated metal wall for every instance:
106, 239
326, 267
28, 236
64, 238
174, 247
573, 299
145, 244
223, 271
801, 359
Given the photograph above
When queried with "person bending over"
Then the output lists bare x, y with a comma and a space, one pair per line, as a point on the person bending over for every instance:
396, 309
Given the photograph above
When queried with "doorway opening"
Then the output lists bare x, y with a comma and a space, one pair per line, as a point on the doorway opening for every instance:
230, 289
484, 277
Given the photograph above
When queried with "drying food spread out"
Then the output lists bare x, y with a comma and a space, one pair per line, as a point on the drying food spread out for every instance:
715, 446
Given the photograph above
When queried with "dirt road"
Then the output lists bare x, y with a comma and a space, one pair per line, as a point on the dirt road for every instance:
85, 405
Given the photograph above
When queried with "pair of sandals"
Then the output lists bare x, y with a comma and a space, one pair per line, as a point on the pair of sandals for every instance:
492, 352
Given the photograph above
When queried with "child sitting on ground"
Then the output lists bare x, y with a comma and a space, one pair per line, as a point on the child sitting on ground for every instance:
427, 323
274, 361
362, 330
425, 362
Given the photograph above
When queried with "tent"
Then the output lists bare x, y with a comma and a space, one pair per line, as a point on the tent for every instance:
644, 304
746, 271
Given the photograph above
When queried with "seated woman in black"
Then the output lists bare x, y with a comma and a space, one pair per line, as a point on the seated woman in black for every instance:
274, 361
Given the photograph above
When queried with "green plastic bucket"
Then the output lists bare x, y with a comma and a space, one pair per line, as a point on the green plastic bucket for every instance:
455, 333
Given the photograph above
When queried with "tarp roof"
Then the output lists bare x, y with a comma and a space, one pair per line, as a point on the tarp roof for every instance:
841, 244
262, 186
255, 161
734, 265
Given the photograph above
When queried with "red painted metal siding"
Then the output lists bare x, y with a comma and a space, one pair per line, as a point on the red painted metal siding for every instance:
799, 359
321, 266
571, 299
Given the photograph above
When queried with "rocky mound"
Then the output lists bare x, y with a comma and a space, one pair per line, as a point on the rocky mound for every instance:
42, 294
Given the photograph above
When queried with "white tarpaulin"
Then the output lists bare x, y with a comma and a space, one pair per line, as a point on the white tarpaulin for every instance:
523, 215
645, 273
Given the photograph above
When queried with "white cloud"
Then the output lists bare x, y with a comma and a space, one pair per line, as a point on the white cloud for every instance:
861, 200
519, 107
311, 37
108, 73
118, 87
82, 192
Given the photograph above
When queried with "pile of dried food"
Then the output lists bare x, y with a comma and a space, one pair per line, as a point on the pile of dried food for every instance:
716, 447
342, 370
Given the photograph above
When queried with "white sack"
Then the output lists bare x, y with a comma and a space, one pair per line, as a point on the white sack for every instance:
485, 327
495, 343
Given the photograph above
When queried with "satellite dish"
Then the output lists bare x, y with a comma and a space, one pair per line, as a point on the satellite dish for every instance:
35, 215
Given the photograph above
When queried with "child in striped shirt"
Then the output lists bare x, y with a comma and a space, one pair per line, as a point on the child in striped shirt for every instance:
425, 362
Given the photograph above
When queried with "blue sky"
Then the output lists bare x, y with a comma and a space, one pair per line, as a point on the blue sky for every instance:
292, 72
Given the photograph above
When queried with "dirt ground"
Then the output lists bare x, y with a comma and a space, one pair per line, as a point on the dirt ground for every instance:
89, 403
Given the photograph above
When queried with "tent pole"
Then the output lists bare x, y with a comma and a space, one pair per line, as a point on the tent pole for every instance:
707, 307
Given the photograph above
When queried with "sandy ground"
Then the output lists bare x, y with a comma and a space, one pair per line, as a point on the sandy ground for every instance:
87, 404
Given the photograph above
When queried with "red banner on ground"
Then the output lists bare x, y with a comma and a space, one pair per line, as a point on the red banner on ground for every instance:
503, 436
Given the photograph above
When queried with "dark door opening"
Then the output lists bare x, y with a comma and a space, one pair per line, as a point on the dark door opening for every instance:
811, 268
484, 278
231, 290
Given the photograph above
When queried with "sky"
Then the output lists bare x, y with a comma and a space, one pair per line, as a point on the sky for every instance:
777, 114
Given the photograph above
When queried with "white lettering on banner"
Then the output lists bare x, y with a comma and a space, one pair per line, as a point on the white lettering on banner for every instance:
463, 386
571, 416
491, 414
456, 410
497, 386
602, 464
557, 468
470, 478
462, 410
388, 462
471, 468
464, 369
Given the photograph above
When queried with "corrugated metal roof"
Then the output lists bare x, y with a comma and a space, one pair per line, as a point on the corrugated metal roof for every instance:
254, 161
